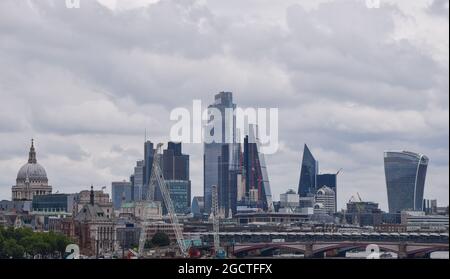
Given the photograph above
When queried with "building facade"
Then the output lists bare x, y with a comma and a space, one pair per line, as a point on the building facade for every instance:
61, 205
290, 199
405, 180
121, 192
326, 200
138, 181
310, 179
180, 193
258, 193
308, 174
220, 130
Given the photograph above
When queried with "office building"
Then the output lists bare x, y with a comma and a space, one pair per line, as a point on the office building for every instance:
121, 192
290, 199
54, 204
180, 193
258, 192
308, 174
310, 178
220, 130
138, 181
325, 200
228, 181
405, 180
149, 152
175, 163
329, 180
419, 221
175, 168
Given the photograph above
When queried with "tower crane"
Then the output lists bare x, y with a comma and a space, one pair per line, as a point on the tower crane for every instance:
157, 179
220, 253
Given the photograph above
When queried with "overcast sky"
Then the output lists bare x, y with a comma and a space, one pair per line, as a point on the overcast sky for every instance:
349, 81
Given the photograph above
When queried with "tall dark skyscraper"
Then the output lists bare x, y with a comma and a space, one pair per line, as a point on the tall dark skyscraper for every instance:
175, 168
310, 179
308, 174
257, 185
148, 164
175, 164
213, 150
405, 180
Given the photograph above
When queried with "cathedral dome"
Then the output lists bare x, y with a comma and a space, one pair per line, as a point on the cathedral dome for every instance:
32, 171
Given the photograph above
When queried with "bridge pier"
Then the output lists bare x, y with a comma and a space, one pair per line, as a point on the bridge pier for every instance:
402, 252
309, 250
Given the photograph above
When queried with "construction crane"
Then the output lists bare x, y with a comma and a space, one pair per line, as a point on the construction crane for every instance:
215, 217
220, 253
157, 178
359, 207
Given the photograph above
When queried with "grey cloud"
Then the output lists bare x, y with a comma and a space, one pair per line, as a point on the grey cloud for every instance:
439, 7
87, 83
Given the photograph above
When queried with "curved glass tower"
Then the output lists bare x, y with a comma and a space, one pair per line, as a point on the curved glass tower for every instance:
308, 174
405, 180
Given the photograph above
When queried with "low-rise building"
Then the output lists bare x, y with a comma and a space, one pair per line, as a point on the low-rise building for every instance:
142, 210
419, 221
100, 198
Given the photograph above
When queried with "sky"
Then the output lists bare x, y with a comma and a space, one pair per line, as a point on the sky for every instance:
349, 80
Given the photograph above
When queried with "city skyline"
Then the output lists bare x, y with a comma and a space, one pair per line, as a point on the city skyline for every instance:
350, 102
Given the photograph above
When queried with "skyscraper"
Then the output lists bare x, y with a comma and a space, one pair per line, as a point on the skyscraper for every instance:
308, 174
329, 180
138, 180
175, 164
257, 185
222, 129
405, 180
175, 168
149, 152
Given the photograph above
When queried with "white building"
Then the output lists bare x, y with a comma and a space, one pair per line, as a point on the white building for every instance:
419, 221
290, 199
325, 200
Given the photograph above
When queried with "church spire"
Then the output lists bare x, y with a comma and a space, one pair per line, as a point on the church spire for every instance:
92, 196
32, 154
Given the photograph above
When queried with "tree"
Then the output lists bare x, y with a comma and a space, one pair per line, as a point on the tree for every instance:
160, 239
23, 242
12, 250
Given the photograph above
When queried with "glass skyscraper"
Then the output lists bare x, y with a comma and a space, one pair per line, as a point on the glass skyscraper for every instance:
213, 150
405, 180
308, 174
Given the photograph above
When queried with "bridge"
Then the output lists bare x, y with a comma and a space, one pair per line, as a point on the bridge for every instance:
317, 249
315, 244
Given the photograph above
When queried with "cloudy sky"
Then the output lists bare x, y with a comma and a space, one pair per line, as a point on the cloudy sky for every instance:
348, 80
